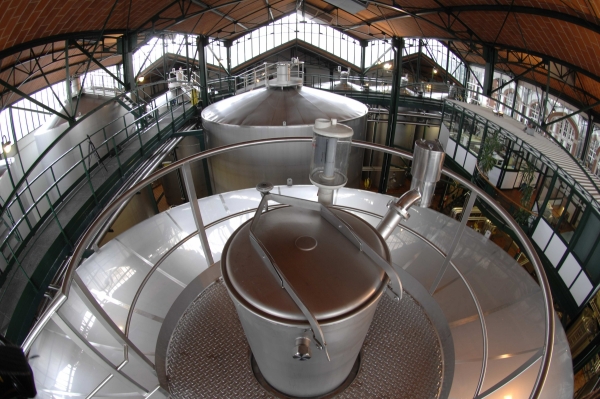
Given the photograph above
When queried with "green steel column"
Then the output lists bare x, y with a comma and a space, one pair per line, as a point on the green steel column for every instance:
126, 45
447, 62
187, 59
202, 42
544, 109
69, 105
418, 77
512, 109
228, 44
397, 45
588, 135
490, 54
363, 47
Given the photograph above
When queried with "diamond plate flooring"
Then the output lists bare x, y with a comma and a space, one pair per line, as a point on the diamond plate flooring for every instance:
208, 354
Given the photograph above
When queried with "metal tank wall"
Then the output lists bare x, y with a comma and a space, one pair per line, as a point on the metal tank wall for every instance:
173, 183
269, 113
407, 132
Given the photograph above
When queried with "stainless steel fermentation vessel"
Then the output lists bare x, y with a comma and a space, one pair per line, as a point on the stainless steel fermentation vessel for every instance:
314, 268
426, 169
276, 112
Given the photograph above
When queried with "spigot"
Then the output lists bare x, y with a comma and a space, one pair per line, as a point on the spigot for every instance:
302, 350
398, 210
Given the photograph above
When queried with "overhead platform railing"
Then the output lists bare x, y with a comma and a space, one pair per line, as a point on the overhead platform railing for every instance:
46, 211
563, 212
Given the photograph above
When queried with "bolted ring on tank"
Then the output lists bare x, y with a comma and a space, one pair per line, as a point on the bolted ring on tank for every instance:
330, 275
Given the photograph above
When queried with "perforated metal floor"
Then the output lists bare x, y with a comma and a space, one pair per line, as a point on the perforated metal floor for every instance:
208, 353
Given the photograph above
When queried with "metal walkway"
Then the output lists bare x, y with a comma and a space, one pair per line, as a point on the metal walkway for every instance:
546, 146
52, 242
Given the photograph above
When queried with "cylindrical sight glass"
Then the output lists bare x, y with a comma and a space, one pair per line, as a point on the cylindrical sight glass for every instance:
331, 143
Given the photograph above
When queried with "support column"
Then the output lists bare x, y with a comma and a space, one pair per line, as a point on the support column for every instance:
126, 46
331, 80
544, 109
363, 47
588, 137
69, 105
202, 42
398, 46
514, 102
228, 44
187, 59
490, 55
447, 62
418, 77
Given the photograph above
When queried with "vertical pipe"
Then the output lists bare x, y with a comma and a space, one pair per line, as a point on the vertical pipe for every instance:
191, 194
329, 169
398, 45
418, 77
187, 57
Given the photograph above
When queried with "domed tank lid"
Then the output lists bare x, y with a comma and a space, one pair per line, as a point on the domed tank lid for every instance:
273, 107
328, 272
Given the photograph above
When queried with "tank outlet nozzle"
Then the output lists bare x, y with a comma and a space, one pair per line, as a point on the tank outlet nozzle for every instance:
302, 350
397, 211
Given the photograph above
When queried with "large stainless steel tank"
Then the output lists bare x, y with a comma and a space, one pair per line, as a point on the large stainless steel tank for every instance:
333, 278
276, 112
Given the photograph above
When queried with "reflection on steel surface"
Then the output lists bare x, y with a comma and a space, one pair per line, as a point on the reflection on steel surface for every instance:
209, 355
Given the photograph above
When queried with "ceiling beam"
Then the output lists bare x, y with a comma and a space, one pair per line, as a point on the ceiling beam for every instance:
488, 8
220, 14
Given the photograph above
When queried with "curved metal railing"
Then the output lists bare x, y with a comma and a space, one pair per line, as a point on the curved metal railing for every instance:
37, 195
183, 164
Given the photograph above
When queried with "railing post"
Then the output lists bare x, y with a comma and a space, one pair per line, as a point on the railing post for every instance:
172, 117
463, 223
87, 174
125, 127
117, 155
62, 231
191, 194
100, 314
54, 180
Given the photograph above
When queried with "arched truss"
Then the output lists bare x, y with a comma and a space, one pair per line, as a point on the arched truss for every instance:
555, 38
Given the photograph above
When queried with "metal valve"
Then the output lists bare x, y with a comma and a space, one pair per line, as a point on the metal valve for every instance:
302, 350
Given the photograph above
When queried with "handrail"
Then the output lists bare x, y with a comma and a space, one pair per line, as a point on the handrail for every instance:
86, 240
133, 130
497, 190
548, 135
54, 185
9, 199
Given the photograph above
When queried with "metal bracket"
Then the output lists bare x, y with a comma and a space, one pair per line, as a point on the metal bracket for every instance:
395, 286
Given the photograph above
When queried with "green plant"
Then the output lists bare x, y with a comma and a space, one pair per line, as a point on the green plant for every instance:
492, 144
522, 214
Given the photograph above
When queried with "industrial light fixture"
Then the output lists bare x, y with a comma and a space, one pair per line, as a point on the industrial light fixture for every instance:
6, 144
141, 79
387, 65
434, 70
